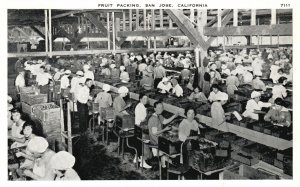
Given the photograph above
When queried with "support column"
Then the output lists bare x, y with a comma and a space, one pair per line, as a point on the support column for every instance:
108, 33
114, 33
235, 17
124, 21
153, 28
219, 23
253, 16
137, 20
273, 16
46, 31
50, 34
197, 56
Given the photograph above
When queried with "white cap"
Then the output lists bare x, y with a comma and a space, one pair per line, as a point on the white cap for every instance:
79, 73
233, 72
224, 66
67, 72
86, 67
223, 96
37, 144
39, 61
9, 99
112, 66
62, 161
186, 66
122, 67
106, 87
104, 60
123, 89
255, 94
102, 64
165, 79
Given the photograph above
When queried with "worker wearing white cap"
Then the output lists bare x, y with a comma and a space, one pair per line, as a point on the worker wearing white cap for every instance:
176, 90
254, 105
164, 86
65, 82
257, 65
104, 99
258, 84
20, 81
75, 85
232, 82
124, 76
119, 104
87, 73
62, 164
42, 80
41, 156
217, 111
247, 75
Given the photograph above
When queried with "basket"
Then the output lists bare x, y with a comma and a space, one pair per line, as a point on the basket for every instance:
47, 112
33, 99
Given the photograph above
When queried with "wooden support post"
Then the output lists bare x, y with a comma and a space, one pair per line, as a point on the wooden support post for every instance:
153, 28
137, 20
149, 38
235, 17
46, 31
258, 41
130, 19
170, 23
253, 16
271, 40
108, 32
145, 23
202, 21
117, 26
219, 18
113, 32
50, 34
224, 42
161, 18
273, 16
124, 21
197, 56
192, 15
278, 40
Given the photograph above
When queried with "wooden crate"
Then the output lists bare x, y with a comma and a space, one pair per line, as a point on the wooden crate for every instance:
47, 112
29, 89
245, 159
29, 109
246, 172
33, 99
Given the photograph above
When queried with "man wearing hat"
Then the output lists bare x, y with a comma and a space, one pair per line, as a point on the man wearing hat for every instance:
164, 86
119, 103
41, 156
65, 82
82, 96
104, 99
254, 106
62, 164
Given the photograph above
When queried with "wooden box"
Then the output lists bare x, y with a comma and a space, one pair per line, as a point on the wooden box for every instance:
29, 89
107, 113
245, 159
47, 112
29, 109
33, 99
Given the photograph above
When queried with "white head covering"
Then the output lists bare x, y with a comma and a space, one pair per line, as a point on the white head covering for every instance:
86, 67
233, 72
165, 79
112, 66
255, 94
122, 68
104, 60
186, 66
223, 96
67, 72
106, 87
123, 89
62, 161
37, 144
79, 73
9, 99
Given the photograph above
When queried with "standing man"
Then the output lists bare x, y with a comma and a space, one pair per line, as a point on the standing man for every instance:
82, 97
42, 80
20, 82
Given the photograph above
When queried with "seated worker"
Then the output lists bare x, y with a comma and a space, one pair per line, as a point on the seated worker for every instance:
185, 74
189, 126
62, 164
41, 155
104, 99
217, 111
164, 86
176, 90
232, 83
119, 104
279, 90
215, 93
278, 114
258, 84
141, 113
254, 105
197, 95
115, 73
124, 76
105, 70
19, 120
157, 125
147, 81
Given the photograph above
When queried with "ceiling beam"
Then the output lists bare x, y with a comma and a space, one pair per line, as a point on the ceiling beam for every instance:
187, 27
37, 31
145, 33
262, 30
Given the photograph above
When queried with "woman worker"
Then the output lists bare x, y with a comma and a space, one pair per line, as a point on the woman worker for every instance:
279, 115
19, 120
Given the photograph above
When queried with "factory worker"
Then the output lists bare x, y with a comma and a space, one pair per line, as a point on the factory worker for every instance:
142, 66
279, 91
82, 97
159, 73
18, 119
253, 105
57, 74
215, 77
41, 156
62, 164
217, 111
276, 76
188, 126
42, 80
147, 81
157, 125
20, 81
278, 114
232, 83
65, 82
126, 62
177, 90
197, 95
105, 70
274, 72
124, 76
104, 99
87, 73
215, 94
248, 76
119, 104
257, 65
76, 80
258, 84
115, 72
185, 74
9, 108
164, 86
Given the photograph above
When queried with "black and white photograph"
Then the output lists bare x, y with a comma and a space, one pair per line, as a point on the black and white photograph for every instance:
149, 92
